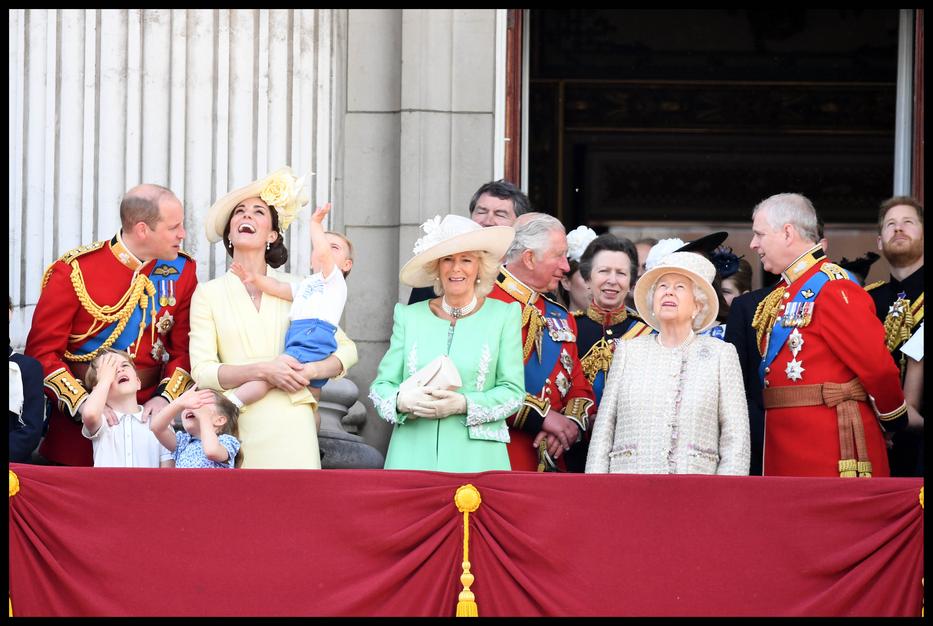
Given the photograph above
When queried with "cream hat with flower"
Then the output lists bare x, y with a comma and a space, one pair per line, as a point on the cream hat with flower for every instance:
280, 189
690, 264
450, 235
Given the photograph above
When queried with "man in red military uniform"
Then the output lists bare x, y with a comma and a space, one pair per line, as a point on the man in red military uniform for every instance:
830, 387
130, 293
559, 400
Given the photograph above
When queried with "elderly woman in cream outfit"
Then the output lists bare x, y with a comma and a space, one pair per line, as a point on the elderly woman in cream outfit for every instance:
237, 332
674, 403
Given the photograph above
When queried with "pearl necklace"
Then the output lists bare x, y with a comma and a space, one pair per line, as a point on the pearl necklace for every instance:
458, 312
690, 336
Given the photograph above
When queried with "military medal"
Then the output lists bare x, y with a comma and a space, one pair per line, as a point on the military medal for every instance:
566, 361
563, 385
163, 298
171, 293
165, 323
157, 350
559, 329
554, 328
794, 369
797, 314
795, 342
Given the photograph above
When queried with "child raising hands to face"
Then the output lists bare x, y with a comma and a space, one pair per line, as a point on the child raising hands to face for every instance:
124, 440
210, 435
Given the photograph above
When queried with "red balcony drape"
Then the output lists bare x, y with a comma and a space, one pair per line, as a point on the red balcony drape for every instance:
177, 542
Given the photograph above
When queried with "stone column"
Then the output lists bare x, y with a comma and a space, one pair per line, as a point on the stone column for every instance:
417, 137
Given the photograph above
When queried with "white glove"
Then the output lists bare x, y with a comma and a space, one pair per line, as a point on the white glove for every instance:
408, 398
441, 403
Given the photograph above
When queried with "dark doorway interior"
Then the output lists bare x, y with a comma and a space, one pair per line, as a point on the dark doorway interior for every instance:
672, 115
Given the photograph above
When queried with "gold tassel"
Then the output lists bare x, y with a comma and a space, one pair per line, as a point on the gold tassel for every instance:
766, 315
848, 468
467, 500
898, 324
597, 360
14, 489
533, 318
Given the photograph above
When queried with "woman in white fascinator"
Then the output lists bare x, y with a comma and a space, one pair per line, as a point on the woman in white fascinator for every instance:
454, 371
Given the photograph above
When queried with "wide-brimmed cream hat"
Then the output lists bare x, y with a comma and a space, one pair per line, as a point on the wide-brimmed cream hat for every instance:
690, 264
450, 235
280, 189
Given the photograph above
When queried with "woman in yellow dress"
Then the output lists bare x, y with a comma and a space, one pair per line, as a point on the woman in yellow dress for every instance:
237, 332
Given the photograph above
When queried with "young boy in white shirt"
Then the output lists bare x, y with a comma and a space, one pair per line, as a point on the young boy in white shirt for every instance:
128, 443
317, 304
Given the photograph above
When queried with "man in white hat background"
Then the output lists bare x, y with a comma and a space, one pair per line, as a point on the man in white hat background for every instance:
559, 400
496, 203
830, 386
131, 292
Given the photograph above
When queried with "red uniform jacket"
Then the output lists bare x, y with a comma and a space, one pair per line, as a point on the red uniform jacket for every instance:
556, 381
87, 295
842, 341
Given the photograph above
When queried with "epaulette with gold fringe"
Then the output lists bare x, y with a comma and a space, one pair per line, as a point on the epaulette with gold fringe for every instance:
550, 299
70, 256
834, 271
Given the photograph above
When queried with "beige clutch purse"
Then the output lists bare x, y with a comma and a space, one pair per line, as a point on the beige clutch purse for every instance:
440, 372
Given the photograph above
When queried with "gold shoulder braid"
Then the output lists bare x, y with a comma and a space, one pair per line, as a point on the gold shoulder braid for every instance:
766, 315
598, 358
900, 321
70, 256
834, 271
535, 321
139, 293
874, 285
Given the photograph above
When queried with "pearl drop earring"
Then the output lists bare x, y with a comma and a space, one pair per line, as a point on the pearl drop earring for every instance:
267, 245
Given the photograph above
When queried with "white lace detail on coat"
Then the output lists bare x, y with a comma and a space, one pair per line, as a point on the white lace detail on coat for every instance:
496, 431
413, 359
385, 407
483, 367
489, 422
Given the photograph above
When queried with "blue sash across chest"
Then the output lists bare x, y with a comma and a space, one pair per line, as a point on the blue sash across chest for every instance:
781, 330
131, 330
536, 372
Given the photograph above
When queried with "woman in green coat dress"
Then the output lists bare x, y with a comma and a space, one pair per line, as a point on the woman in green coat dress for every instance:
438, 428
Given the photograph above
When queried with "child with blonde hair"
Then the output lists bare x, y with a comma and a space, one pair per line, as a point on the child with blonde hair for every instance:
127, 443
317, 304
210, 437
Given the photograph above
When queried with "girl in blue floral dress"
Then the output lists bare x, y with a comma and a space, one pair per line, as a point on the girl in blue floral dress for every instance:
210, 435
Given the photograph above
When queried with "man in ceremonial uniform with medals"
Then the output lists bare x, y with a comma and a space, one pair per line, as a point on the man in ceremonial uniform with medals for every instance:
830, 388
899, 305
130, 293
558, 401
